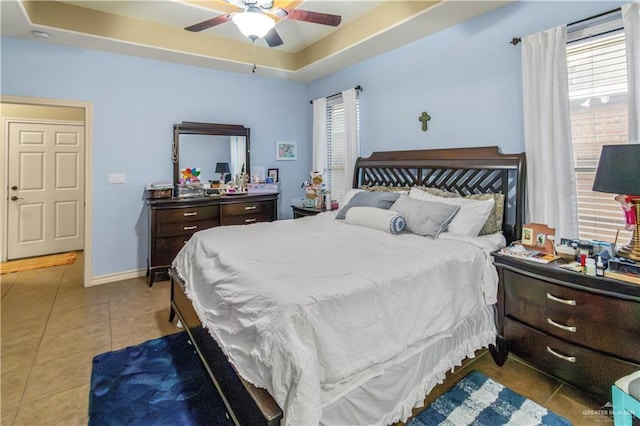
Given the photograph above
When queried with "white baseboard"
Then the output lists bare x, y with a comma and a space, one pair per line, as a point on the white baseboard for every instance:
120, 276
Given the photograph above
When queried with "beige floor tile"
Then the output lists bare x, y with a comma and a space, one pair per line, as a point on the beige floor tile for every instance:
578, 408
20, 356
23, 333
75, 340
132, 330
65, 408
136, 305
8, 416
60, 375
48, 277
86, 315
12, 387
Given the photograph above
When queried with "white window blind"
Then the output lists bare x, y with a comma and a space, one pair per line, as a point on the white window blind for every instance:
598, 105
335, 168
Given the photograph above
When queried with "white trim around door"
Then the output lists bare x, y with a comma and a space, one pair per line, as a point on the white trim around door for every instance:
87, 107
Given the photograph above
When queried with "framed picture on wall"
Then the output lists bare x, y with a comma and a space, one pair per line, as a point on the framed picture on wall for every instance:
286, 150
273, 174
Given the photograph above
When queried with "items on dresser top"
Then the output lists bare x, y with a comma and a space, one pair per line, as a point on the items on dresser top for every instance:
581, 329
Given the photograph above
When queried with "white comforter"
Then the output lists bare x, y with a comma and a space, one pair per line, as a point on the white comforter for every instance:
311, 308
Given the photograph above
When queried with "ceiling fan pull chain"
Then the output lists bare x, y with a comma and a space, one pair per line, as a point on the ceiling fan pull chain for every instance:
253, 49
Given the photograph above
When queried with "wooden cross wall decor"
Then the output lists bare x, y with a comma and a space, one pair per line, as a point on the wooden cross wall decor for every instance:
424, 117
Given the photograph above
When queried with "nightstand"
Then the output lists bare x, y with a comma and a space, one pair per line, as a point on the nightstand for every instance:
583, 330
299, 212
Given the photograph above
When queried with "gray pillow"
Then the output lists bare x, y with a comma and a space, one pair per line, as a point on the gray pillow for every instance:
381, 200
427, 218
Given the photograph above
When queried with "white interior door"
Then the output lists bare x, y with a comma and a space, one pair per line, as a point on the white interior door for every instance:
46, 189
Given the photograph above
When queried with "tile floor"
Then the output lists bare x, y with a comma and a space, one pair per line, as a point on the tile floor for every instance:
52, 328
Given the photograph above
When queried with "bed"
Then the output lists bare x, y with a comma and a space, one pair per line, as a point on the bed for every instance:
318, 321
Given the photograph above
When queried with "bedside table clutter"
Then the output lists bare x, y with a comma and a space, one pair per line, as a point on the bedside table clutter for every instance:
582, 329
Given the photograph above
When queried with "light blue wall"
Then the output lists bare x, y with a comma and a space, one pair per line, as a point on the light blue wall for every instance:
135, 104
468, 78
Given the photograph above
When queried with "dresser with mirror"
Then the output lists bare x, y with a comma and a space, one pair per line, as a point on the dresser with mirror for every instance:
172, 221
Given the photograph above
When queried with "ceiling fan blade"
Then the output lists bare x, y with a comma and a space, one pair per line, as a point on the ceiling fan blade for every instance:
273, 38
308, 16
209, 23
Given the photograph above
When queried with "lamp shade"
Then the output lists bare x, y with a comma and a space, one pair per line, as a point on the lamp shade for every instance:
619, 170
222, 168
253, 24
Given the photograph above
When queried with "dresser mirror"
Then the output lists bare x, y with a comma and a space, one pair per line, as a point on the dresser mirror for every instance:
204, 145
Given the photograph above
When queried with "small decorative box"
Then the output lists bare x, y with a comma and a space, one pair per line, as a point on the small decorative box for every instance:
262, 188
190, 191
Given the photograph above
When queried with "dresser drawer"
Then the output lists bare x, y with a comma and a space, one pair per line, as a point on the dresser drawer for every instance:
167, 248
188, 214
586, 369
257, 208
186, 229
246, 219
600, 322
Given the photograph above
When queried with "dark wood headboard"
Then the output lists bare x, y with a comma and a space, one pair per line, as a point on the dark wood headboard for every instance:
461, 170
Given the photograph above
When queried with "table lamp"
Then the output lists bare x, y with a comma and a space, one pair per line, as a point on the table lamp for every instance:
223, 169
619, 173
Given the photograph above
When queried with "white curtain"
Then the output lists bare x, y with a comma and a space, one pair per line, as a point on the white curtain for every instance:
631, 22
351, 136
319, 135
238, 148
551, 189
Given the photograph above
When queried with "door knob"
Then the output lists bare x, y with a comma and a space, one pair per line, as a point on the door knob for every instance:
14, 188
14, 198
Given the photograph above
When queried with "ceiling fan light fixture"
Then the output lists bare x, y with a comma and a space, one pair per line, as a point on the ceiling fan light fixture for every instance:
254, 25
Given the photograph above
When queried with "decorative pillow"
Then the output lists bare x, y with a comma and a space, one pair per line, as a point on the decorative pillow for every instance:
349, 195
376, 218
494, 221
427, 218
471, 217
438, 192
381, 188
382, 200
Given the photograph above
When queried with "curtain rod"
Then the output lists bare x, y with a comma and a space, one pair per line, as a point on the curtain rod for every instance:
358, 88
517, 40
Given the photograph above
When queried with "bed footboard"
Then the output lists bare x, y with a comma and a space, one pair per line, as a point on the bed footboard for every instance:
246, 404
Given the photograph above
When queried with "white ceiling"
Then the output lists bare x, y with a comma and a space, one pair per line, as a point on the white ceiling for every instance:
155, 29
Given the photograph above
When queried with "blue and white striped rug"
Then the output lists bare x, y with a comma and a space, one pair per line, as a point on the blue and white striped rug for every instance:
478, 400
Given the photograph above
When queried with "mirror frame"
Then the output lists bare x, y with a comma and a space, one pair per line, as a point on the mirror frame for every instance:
214, 129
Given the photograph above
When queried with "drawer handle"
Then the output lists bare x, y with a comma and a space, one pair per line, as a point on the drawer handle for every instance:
189, 228
563, 327
191, 214
250, 208
559, 300
250, 220
564, 357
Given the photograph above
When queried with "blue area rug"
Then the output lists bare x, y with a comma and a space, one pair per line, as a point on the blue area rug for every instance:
159, 382
478, 400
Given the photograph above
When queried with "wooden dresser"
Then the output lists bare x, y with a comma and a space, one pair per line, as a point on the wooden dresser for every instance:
173, 221
583, 330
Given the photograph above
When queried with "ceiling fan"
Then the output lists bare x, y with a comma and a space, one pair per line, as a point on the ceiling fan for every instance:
254, 21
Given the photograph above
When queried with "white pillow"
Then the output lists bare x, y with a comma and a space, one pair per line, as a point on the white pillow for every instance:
376, 218
470, 218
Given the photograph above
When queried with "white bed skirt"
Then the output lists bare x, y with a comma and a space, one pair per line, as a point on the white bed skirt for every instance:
405, 385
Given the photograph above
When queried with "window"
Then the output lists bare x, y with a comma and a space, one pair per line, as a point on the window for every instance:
335, 167
598, 106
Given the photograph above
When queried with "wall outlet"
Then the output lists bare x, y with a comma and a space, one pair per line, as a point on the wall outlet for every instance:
115, 178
